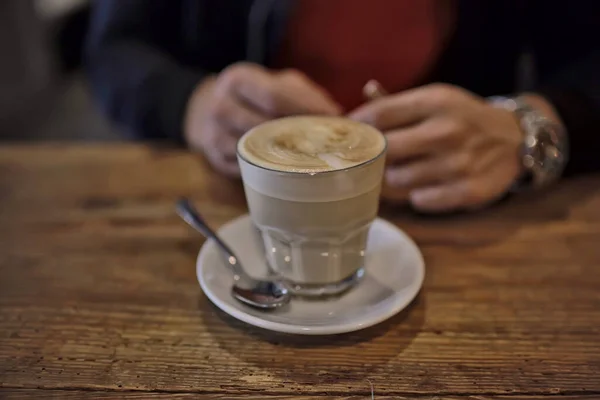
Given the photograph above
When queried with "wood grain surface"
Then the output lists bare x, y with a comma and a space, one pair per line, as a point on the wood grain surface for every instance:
99, 298
99, 395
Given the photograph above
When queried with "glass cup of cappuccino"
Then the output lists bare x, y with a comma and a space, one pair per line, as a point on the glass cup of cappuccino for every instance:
312, 184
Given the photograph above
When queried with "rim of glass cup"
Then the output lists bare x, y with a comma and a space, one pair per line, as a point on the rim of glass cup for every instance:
362, 164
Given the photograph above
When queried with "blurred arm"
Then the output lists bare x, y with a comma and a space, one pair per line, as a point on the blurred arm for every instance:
133, 61
567, 51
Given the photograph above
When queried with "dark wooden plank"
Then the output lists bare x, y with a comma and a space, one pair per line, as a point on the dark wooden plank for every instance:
18, 394
98, 291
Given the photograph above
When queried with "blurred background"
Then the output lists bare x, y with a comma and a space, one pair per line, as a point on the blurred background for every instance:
43, 92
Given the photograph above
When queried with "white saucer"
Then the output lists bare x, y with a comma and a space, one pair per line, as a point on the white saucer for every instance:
395, 272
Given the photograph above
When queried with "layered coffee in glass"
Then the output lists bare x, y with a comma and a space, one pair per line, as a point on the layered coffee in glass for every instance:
312, 184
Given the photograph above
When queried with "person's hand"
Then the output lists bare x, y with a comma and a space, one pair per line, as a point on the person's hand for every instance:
244, 95
447, 148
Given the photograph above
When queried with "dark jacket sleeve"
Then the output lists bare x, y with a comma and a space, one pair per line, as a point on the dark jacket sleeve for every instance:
133, 64
567, 52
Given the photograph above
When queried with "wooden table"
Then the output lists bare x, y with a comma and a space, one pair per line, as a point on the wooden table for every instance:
99, 298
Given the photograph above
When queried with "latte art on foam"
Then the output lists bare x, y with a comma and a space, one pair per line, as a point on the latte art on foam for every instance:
311, 144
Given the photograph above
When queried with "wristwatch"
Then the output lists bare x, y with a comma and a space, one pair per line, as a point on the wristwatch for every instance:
544, 151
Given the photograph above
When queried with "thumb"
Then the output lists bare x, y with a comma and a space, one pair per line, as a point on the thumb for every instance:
301, 95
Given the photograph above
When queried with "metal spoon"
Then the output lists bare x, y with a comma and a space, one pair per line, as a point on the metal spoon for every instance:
250, 291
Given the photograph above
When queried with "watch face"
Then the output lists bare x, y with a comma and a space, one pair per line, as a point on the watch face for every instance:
548, 153
544, 148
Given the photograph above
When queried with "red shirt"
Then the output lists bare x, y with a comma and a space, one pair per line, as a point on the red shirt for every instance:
342, 44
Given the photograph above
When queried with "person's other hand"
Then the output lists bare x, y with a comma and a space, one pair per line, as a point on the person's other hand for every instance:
224, 107
447, 148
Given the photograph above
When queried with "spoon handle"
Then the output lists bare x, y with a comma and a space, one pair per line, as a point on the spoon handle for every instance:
188, 213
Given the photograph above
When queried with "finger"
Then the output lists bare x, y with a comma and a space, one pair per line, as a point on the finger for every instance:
223, 164
249, 83
278, 94
393, 194
235, 116
429, 137
373, 90
429, 170
228, 168
226, 144
217, 139
405, 108
445, 197
305, 96
465, 194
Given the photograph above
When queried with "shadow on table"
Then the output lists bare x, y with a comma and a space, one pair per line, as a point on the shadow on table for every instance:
317, 359
499, 221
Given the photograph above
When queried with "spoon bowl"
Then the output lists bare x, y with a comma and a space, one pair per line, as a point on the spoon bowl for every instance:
262, 294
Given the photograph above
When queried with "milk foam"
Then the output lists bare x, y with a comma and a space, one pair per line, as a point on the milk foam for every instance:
312, 159
311, 144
